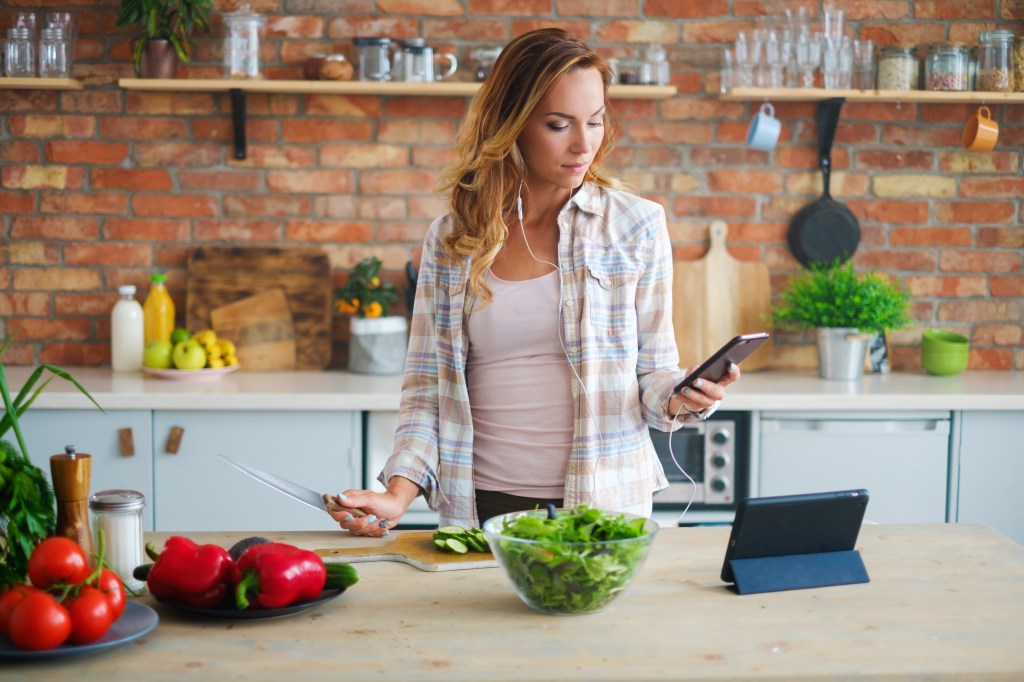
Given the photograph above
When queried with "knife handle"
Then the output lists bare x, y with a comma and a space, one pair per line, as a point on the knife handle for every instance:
334, 505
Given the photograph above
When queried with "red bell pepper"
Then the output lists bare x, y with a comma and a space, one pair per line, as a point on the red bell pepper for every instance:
191, 574
273, 575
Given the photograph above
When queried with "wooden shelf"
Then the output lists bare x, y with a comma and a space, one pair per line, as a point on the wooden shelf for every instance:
355, 87
40, 84
905, 96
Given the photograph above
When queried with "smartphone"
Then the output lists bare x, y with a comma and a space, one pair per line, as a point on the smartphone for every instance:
717, 366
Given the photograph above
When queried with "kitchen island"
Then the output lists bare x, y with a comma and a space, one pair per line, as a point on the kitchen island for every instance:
944, 602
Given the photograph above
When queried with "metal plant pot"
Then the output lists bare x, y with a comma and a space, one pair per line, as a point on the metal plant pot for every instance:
159, 60
841, 352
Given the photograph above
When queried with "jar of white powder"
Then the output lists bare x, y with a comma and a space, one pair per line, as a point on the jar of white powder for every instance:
118, 514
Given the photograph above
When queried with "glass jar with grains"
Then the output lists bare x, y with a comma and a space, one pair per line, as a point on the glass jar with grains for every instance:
946, 67
1018, 64
994, 54
897, 68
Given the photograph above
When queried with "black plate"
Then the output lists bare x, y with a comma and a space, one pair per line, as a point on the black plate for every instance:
231, 612
137, 620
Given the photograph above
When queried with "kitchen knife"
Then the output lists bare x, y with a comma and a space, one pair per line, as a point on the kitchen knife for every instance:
324, 502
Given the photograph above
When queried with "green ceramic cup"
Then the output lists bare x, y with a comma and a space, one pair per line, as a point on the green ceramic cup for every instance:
943, 352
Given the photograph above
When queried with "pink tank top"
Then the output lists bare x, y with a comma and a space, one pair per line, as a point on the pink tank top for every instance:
520, 389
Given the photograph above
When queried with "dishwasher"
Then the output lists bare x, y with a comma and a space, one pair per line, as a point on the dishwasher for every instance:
901, 458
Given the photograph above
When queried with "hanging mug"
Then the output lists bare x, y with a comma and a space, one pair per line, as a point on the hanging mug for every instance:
981, 132
763, 132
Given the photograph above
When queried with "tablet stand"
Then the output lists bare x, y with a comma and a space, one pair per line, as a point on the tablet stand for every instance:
798, 571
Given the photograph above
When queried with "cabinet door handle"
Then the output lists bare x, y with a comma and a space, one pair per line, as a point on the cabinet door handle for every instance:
174, 440
127, 443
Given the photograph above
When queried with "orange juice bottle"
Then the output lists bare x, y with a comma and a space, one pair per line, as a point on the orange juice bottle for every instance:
158, 310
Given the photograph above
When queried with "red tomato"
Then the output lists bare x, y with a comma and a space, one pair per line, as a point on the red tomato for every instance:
38, 623
57, 559
8, 599
90, 616
110, 585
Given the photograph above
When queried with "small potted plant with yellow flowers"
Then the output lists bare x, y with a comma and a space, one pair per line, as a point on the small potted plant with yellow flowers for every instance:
378, 340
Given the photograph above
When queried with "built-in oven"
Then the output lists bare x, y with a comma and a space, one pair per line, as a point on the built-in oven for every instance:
715, 454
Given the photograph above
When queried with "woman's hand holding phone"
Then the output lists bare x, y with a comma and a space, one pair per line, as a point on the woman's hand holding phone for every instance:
703, 393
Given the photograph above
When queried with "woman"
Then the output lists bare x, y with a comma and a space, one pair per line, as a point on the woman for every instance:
542, 345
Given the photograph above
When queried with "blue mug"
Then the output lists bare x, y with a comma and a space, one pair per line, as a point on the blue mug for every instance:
763, 132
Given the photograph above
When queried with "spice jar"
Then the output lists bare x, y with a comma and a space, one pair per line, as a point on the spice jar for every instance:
994, 66
118, 515
946, 67
1018, 64
243, 30
53, 53
20, 53
897, 68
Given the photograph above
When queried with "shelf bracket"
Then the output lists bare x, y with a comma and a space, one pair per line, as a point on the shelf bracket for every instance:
238, 121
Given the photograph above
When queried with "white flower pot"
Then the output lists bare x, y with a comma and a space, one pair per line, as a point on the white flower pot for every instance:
377, 345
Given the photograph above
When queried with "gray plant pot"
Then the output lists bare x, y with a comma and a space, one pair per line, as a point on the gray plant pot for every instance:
841, 352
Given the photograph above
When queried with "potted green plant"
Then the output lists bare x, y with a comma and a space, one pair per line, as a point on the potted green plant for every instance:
377, 342
27, 506
846, 309
165, 32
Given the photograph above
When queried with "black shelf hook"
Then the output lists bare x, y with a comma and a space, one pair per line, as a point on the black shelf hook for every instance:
238, 121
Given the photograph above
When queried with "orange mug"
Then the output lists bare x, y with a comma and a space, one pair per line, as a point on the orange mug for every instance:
981, 132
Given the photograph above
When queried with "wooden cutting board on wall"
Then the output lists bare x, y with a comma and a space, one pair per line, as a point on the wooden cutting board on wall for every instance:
717, 297
218, 276
261, 328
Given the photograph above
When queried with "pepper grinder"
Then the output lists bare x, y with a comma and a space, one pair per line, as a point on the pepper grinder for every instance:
71, 473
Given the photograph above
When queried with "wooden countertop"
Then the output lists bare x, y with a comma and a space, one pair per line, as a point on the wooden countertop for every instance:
337, 390
944, 602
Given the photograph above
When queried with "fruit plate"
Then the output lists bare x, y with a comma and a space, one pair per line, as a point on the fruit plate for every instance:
136, 621
231, 612
189, 374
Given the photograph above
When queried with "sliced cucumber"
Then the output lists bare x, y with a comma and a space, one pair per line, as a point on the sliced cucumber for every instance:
456, 546
459, 540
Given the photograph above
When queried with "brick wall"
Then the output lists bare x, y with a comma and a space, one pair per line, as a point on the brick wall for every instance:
101, 187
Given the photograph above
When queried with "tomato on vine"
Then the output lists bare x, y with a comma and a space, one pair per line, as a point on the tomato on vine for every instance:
113, 589
90, 615
57, 560
38, 622
9, 599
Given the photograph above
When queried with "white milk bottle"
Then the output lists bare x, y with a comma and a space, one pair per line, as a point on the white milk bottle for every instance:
126, 332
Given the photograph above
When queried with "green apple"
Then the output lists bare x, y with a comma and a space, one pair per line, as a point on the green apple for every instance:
188, 354
179, 334
157, 354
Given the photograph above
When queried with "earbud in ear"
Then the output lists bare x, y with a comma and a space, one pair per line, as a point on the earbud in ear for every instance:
519, 206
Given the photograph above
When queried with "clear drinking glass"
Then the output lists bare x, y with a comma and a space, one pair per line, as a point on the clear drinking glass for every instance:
837, 63
66, 22
727, 75
53, 53
863, 77
748, 56
808, 57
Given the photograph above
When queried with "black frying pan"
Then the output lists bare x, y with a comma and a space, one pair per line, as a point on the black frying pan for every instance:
824, 231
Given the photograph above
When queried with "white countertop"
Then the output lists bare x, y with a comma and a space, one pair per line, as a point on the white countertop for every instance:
337, 390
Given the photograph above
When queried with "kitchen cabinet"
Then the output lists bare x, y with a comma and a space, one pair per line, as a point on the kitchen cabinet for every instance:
901, 458
115, 464
196, 490
380, 439
991, 471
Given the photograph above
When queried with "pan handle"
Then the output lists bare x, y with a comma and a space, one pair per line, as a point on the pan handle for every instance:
828, 119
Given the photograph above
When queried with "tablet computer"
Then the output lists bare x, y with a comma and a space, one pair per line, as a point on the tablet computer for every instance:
795, 524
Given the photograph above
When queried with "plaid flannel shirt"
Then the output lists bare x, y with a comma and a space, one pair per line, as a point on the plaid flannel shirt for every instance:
615, 260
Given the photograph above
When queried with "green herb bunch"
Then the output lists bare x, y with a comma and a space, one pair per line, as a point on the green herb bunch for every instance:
834, 296
27, 507
364, 294
576, 562
171, 20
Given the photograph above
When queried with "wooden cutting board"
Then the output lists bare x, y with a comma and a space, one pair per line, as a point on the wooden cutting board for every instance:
218, 276
718, 297
261, 328
413, 547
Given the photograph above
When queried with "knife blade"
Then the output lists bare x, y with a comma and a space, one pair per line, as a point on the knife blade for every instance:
324, 502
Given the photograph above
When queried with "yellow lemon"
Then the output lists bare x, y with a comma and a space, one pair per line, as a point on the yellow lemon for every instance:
216, 363
230, 360
226, 347
207, 338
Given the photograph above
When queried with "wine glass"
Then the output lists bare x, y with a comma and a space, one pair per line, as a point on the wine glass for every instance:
808, 57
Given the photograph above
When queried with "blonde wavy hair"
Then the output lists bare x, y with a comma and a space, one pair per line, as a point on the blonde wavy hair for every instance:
484, 184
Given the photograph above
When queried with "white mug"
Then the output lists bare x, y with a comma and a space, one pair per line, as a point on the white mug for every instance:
764, 129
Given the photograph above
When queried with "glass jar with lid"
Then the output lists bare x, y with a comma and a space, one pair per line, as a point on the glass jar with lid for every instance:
243, 30
117, 515
946, 67
20, 53
994, 61
897, 68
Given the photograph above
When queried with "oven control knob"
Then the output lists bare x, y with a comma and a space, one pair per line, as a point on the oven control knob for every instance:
720, 484
720, 460
721, 436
